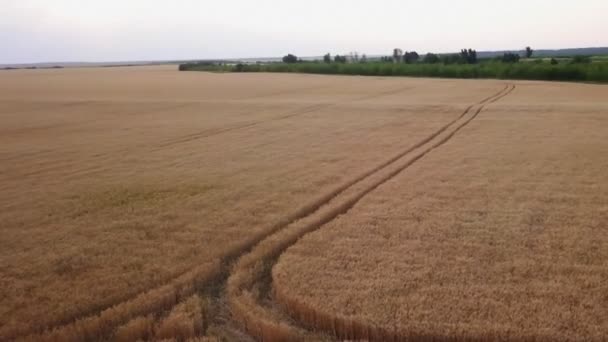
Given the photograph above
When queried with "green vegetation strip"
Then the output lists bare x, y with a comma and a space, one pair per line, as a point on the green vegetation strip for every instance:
582, 72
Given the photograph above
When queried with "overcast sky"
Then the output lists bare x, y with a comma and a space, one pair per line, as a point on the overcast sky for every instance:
121, 30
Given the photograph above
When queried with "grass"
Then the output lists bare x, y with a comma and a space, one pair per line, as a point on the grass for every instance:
584, 72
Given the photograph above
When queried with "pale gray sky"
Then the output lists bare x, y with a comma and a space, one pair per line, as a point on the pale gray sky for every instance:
119, 30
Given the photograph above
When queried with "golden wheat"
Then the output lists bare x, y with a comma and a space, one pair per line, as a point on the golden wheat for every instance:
499, 234
123, 189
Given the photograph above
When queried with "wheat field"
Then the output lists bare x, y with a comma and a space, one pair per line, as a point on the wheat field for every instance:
145, 203
500, 234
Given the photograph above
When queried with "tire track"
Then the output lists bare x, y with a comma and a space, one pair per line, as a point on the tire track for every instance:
286, 92
211, 132
384, 93
100, 324
249, 282
46, 105
313, 108
77, 125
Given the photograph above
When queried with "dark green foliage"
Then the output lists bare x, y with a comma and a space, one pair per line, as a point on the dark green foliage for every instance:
554, 61
239, 67
327, 58
340, 59
529, 52
451, 59
509, 57
194, 65
468, 56
431, 58
410, 57
290, 59
581, 59
588, 72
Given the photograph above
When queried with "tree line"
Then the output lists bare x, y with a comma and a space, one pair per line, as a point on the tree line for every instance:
466, 56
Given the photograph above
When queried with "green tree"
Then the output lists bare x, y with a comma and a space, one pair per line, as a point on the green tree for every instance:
509, 57
411, 57
431, 58
327, 58
290, 59
340, 59
451, 59
581, 60
239, 67
468, 56
529, 52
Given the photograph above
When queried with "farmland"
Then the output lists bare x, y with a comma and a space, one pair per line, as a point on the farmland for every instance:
147, 203
499, 234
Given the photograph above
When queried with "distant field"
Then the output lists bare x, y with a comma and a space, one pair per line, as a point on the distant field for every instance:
145, 203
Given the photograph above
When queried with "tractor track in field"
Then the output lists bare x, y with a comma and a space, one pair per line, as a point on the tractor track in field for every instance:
249, 289
204, 279
45, 106
211, 132
80, 124
211, 279
207, 133
309, 109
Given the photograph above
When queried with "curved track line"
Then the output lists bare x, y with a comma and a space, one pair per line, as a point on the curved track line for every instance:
252, 266
344, 328
101, 322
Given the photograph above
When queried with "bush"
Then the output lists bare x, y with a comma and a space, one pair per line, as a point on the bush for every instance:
198, 65
290, 59
411, 57
340, 59
431, 58
451, 59
581, 59
510, 58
